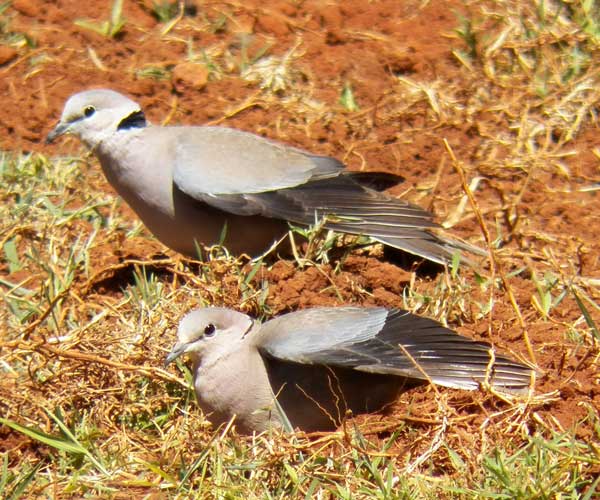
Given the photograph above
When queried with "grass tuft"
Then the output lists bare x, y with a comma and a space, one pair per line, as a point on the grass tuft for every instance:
110, 28
91, 300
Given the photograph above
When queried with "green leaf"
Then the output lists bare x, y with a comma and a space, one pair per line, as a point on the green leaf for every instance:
587, 316
68, 446
116, 19
223, 234
253, 271
347, 99
70, 435
23, 483
100, 28
12, 256
159, 472
291, 472
54, 442
457, 461
4, 476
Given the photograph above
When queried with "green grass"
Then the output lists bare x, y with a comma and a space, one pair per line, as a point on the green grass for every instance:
165, 10
156, 440
347, 99
89, 315
110, 28
542, 467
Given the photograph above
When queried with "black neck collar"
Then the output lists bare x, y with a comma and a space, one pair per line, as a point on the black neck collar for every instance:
134, 120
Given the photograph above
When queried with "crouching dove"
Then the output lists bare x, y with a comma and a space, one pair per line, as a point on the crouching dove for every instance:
307, 368
189, 183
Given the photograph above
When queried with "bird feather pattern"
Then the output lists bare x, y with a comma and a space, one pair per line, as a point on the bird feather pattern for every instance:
376, 340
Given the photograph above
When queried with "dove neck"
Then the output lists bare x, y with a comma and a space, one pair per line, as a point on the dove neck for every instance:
134, 120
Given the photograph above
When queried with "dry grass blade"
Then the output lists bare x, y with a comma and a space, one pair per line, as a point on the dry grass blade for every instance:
505, 90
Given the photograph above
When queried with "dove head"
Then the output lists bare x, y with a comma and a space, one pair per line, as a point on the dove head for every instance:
209, 330
94, 115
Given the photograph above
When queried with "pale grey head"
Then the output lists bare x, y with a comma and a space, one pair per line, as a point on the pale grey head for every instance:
209, 330
94, 115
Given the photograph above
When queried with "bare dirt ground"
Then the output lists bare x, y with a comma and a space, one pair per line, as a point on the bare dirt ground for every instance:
414, 93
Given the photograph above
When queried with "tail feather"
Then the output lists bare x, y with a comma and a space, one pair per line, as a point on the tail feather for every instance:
434, 353
349, 207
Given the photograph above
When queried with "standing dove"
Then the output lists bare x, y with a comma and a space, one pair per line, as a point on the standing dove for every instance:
318, 363
188, 183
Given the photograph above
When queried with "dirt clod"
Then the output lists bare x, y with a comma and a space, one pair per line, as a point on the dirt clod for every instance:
431, 109
7, 54
189, 75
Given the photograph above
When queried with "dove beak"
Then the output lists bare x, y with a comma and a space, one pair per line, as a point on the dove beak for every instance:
59, 130
178, 350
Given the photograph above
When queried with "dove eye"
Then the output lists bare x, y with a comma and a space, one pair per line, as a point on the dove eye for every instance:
89, 111
209, 330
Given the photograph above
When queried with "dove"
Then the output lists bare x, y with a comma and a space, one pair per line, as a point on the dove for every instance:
203, 185
305, 370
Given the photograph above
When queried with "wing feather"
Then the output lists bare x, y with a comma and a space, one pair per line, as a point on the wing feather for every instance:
351, 208
225, 161
369, 340
245, 174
